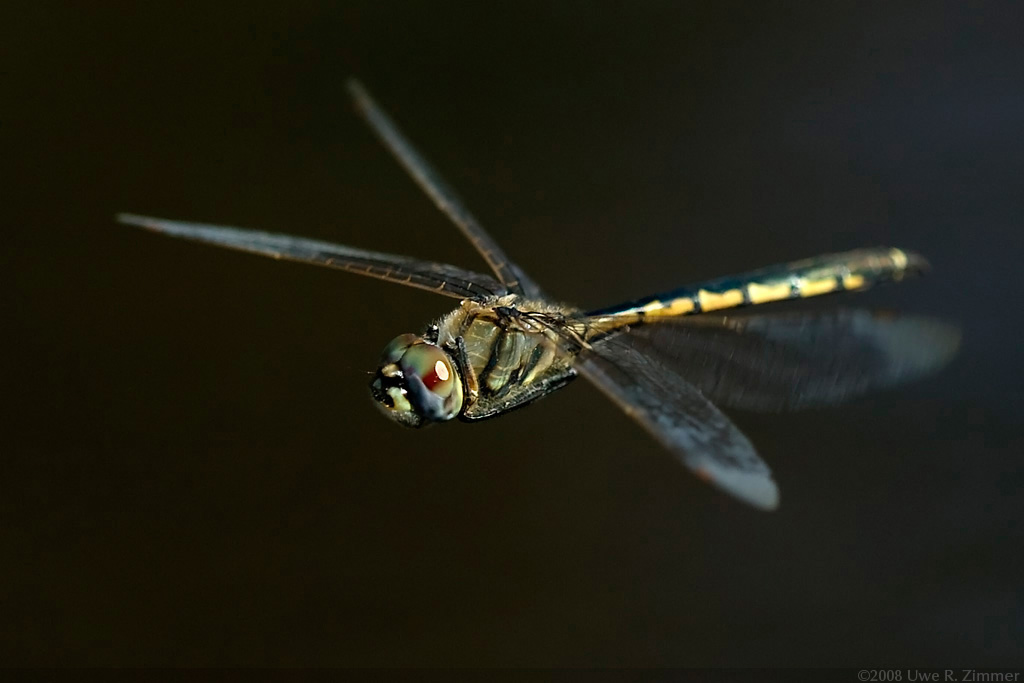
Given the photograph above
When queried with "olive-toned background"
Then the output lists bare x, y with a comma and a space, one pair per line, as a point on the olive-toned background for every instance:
192, 470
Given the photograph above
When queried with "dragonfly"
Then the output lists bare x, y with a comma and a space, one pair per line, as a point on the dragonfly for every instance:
670, 361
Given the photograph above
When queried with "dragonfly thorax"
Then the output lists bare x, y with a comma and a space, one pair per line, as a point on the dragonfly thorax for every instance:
417, 382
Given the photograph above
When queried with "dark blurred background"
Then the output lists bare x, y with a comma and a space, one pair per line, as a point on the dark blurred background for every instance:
193, 472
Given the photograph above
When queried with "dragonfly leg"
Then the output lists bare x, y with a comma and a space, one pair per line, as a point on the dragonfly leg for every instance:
471, 386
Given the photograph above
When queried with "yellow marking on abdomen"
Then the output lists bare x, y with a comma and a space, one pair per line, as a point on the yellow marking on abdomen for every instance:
816, 287
678, 306
711, 301
853, 281
761, 293
652, 306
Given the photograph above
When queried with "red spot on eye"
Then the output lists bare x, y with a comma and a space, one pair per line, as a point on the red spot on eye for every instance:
439, 373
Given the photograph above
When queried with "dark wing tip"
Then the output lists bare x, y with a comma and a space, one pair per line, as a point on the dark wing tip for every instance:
173, 228
358, 93
162, 225
755, 488
137, 220
915, 346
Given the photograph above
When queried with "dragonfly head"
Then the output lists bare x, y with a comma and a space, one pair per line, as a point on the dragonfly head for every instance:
417, 383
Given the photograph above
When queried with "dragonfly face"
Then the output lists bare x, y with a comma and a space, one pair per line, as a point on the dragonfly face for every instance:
668, 360
417, 382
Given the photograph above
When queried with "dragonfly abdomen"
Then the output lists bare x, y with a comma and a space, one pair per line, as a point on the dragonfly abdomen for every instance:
847, 271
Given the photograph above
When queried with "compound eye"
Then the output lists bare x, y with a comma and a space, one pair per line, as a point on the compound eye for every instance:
397, 347
433, 368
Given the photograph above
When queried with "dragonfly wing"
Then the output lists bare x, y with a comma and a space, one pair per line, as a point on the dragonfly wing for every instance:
675, 412
443, 196
436, 277
792, 361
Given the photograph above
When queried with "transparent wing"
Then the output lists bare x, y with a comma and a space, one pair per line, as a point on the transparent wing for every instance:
791, 361
436, 277
430, 181
675, 412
